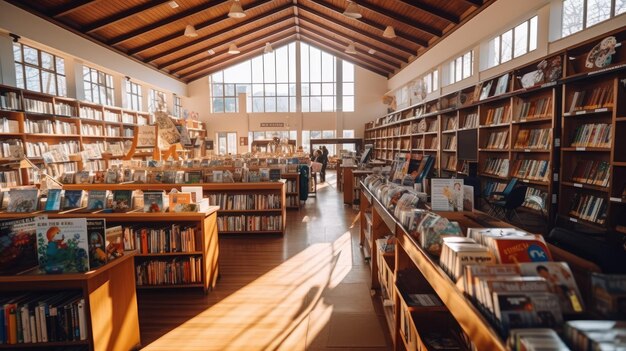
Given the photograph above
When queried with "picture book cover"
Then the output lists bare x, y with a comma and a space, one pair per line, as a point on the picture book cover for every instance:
62, 245
127, 175
98, 177
274, 174
218, 176
169, 177
196, 192
22, 200
153, 201
96, 200
18, 249
512, 249
111, 177
180, 177
181, 202
72, 199
192, 177
561, 280
447, 194
53, 201
83, 177
96, 228
67, 178
114, 242
140, 176
122, 200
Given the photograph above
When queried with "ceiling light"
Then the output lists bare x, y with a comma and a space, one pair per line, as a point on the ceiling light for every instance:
211, 52
351, 49
236, 11
173, 4
268, 48
190, 31
389, 32
371, 51
233, 50
353, 10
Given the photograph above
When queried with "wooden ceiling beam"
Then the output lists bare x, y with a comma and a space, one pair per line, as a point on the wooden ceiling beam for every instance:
432, 10
230, 60
122, 15
474, 3
380, 27
70, 7
198, 27
378, 39
225, 41
352, 38
339, 53
264, 39
402, 19
163, 22
361, 55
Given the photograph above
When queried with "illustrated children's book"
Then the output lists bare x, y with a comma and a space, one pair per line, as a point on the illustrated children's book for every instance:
18, 251
153, 201
22, 200
181, 202
122, 200
62, 245
114, 242
96, 228
72, 199
96, 200
53, 202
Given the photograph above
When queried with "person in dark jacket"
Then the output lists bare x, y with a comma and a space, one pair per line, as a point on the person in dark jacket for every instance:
324, 164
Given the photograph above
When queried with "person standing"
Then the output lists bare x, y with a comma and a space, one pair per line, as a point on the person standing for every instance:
324, 164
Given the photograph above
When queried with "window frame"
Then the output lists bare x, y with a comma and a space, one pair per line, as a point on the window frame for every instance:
107, 85
153, 100
178, 106
585, 18
453, 70
53, 72
495, 59
134, 98
228, 149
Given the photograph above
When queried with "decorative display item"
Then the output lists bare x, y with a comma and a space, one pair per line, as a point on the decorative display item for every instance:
601, 55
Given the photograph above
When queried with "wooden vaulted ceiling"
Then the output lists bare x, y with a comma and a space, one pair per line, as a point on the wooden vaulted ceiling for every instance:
151, 31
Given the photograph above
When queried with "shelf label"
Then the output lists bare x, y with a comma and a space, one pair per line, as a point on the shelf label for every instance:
555, 177
545, 85
554, 198
616, 199
604, 109
526, 150
578, 185
525, 180
573, 220
581, 148
581, 112
557, 142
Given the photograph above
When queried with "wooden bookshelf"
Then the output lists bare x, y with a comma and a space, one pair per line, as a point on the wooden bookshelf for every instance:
110, 300
292, 185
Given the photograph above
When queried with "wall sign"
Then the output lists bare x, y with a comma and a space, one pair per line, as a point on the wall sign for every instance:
272, 124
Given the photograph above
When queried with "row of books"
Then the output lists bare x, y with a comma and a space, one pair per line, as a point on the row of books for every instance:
494, 187
531, 169
111, 116
450, 123
10, 100
55, 170
38, 106
249, 223
245, 201
535, 339
12, 149
498, 115
530, 191
112, 131
535, 109
592, 135
65, 109
179, 270
592, 172
449, 142
42, 317
48, 127
9, 179
598, 97
173, 238
291, 186
92, 130
128, 118
434, 143
292, 201
90, 113
498, 140
589, 207
95, 165
471, 121
591, 335
38, 149
9, 125
497, 166
534, 139
449, 162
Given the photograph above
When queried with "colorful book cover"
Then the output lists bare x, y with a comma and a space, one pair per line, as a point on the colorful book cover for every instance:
181, 202
153, 201
561, 280
511, 249
114, 242
72, 199
67, 178
111, 177
18, 250
62, 245
169, 177
96, 228
192, 177
98, 177
22, 200
122, 200
53, 201
83, 177
96, 200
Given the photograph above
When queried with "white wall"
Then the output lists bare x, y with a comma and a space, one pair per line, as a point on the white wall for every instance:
369, 89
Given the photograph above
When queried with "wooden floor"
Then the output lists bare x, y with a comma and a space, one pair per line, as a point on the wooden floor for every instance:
307, 290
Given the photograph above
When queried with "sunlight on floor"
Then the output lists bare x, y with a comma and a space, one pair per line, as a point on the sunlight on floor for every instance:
274, 311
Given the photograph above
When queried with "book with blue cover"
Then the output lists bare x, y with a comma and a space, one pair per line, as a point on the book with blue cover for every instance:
72, 199
53, 202
96, 200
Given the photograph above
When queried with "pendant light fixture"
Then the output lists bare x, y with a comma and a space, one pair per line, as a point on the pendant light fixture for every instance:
268, 48
233, 49
190, 31
389, 32
351, 49
236, 11
353, 10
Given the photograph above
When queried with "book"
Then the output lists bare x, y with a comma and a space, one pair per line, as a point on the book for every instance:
111, 177
524, 310
561, 280
196, 192
67, 178
609, 294
114, 242
62, 245
169, 177
18, 249
515, 249
53, 201
447, 194
274, 174
181, 202
98, 177
218, 176
153, 201
96, 229
122, 200
22, 200
96, 200
83, 177
72, 199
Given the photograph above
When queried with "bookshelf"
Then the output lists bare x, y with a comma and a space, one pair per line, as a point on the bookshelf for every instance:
292, 185
110, 304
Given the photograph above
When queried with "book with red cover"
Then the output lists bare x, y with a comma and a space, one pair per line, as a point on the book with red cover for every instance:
519, 249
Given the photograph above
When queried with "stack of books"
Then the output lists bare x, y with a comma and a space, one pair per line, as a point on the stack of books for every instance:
589, 207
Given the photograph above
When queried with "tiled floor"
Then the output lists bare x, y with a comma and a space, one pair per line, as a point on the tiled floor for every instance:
306, 290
